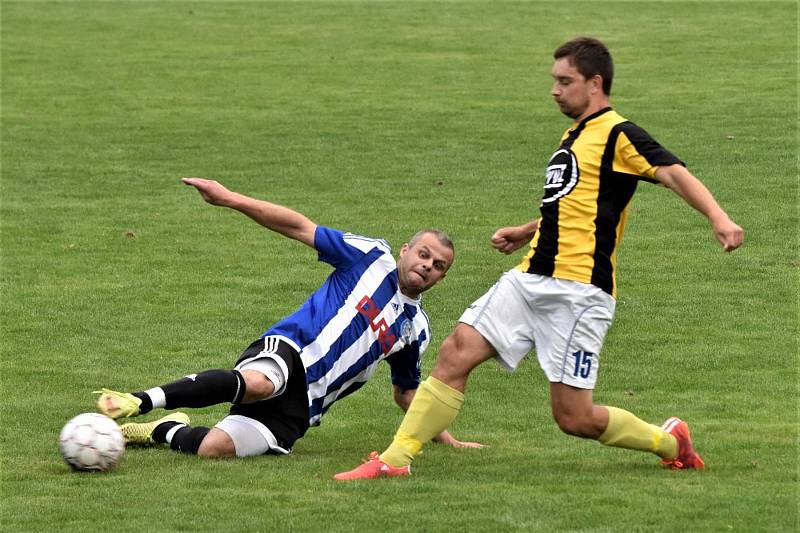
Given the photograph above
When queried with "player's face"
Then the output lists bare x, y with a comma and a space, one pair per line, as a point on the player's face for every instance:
571, 91
422, 264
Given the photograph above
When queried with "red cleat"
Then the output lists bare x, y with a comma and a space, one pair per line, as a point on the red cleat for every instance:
687, 457
373, 468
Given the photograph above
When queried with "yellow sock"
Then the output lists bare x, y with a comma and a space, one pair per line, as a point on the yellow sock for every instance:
624, 430
433, 409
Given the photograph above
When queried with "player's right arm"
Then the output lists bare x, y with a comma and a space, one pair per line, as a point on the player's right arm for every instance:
511, 239
275, 217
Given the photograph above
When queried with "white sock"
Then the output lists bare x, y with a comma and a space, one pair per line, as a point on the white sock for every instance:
172, 431
157, 397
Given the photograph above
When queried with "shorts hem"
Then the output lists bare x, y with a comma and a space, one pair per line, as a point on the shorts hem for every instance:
236, 423
576, 384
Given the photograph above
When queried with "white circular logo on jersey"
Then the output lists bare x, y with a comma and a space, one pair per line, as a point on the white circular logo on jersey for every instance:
561, 176
406, 330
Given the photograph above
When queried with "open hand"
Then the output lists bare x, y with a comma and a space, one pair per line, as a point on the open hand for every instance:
446, 438
212, 191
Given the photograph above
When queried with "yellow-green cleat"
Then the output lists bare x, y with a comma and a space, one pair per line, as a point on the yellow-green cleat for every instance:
141, 434
115, 404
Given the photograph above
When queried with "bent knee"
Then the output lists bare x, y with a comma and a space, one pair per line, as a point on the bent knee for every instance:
217, 444
461, 351
576, 425
449, 352
570, 426
451, 365
257, 386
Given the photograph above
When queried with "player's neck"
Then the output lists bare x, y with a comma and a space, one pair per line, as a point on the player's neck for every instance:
594, 106
412, 295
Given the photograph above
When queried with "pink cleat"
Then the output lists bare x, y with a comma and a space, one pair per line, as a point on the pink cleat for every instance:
373, 468
687, 457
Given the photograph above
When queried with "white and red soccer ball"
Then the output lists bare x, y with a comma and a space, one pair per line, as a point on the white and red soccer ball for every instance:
92, 442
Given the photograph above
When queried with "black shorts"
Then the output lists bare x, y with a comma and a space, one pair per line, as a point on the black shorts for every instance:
285, 415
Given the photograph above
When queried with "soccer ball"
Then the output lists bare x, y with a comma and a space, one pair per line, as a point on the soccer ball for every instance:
92, 441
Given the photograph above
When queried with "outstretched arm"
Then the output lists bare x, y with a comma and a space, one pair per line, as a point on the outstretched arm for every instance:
694, 193
275, 217
511, 239
403, 400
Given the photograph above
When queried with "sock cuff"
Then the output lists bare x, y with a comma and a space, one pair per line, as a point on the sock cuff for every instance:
188, 439
409, 447
240, 387
444, 392
157, 397
615, 417
163, 432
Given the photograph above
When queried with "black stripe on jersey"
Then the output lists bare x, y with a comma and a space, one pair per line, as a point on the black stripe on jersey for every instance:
612, 200
656, 155
568, 142
543, 261
615, 191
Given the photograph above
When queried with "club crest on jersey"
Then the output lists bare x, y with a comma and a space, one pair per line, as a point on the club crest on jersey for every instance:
561, 175
406, 330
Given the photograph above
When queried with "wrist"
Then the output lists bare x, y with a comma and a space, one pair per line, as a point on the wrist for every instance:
718, 216
234, 200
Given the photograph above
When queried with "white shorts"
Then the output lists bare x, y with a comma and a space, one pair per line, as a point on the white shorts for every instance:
250, 437
566, 321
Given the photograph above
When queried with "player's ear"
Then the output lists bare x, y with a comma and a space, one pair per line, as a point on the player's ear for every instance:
597, 82
403, 249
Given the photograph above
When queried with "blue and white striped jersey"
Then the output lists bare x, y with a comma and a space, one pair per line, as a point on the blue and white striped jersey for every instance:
355, 320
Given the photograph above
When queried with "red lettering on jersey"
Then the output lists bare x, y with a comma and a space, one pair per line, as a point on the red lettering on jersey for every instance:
367, 307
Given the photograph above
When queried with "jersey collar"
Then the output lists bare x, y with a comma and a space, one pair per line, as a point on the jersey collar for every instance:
408, 300
593, 116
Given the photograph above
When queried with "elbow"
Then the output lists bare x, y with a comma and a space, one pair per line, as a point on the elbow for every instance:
664, 176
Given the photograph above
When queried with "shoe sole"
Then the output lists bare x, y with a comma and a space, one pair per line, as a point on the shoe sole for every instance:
181, 418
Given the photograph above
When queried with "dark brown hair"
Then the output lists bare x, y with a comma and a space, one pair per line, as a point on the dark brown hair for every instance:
590, 57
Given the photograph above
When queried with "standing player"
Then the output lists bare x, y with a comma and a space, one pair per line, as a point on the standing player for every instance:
367, 311
561, 298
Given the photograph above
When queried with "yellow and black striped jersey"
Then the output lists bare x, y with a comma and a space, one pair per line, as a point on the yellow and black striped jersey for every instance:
589, 183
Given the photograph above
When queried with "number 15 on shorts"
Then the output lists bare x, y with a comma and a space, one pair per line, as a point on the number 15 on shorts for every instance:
583, 364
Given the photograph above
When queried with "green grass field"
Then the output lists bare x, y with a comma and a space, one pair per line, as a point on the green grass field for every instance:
381, 118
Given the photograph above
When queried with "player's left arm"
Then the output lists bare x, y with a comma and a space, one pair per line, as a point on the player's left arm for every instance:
694, 193
275, 217
403, 399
